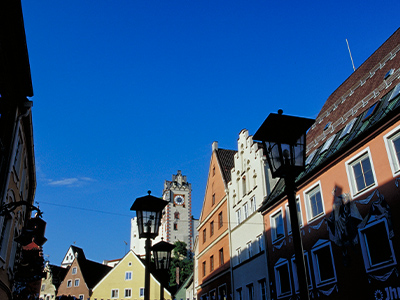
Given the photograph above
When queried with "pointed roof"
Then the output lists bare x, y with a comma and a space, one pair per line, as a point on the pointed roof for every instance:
226, 162
92, 272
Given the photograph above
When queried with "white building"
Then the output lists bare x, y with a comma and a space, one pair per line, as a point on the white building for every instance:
250, 184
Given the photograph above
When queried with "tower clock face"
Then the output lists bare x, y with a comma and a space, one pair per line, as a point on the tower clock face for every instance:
179, 200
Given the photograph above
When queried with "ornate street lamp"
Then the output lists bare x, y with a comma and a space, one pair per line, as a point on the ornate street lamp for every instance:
148, 214
162, 258
284, 138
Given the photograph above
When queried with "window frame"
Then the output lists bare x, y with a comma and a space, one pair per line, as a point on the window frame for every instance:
69, 283
220, 220
130, 293
239, 216
141, 292
318, 246
306, 194
280, 263
246, 210
394, 160
76, 282
128, 275
274, 236
74, 270
365, 249
350, 163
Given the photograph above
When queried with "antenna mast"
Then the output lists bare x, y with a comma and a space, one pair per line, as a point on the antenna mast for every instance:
348, 47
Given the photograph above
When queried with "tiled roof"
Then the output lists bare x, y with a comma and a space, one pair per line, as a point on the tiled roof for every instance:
367, 86
227, 162
92, 272
359, 91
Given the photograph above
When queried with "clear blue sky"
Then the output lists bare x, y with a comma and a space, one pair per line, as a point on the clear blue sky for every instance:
128, 92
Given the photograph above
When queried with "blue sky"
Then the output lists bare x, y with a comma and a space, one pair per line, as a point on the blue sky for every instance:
128, 92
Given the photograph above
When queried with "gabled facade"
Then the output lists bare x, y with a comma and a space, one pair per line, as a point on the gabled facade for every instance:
250, 183
126, 281
82, 275
213, 256
348, 195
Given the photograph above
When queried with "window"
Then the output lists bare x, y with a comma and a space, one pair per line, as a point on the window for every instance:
323, 264
239, 255
212, 295
282, 278
175, 226
204, 236
222, 294
253, 206
277, 229
239, 294
347, 129
220, 220
392, 143
377, 248
76, 282
80, 297
263, 289
246, 210
294, 269
314, 202
204, 268
74, 270
43, 287
212, 228
211, 263
238, 216
69, 283
244, 190
260, 242
327, 144
299, 216
176, 215
221, 256
370, 111
141, 292
128, 275
128, 293
360, 173
249, 249
213, 199
250, 291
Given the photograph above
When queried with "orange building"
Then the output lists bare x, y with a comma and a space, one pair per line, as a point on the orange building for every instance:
348, 196
213, 254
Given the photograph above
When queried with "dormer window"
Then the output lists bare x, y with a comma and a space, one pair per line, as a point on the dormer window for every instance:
370, 111
327, 144
347, 129
327, 125
389, 73
395, 92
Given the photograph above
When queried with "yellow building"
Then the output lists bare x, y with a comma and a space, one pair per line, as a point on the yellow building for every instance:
126, 281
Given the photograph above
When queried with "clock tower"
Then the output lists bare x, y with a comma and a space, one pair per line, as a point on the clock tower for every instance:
177, 222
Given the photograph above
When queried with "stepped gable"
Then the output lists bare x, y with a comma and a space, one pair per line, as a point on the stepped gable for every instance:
360, 90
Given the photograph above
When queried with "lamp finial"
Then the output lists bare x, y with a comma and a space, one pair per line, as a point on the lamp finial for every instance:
149, 192
280, 111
